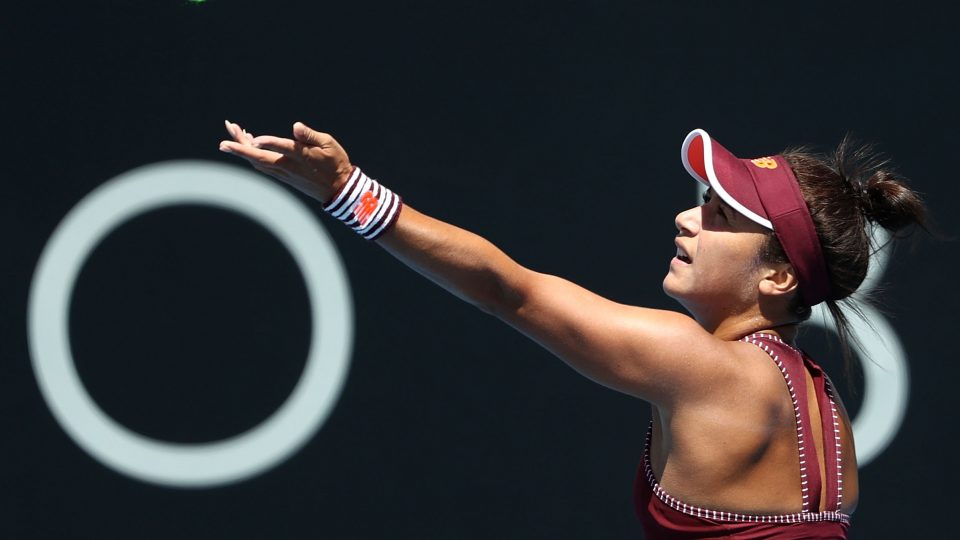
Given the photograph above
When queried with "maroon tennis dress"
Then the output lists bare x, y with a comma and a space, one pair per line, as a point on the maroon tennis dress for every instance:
664, 516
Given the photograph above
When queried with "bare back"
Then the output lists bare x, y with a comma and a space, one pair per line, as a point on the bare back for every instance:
738, 450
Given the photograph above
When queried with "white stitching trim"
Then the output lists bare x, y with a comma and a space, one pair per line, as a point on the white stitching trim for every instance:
836, 438
696, 511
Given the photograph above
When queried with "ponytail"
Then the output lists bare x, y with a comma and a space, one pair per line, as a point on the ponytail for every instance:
846, 191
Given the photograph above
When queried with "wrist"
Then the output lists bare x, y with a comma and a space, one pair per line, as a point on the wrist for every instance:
364, 205
339, 183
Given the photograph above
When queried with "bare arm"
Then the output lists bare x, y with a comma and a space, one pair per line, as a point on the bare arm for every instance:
652, 354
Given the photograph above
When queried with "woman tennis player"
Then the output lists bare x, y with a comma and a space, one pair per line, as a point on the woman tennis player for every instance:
749, 438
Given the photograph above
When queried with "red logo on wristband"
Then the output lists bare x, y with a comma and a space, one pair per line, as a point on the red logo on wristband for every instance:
364, 209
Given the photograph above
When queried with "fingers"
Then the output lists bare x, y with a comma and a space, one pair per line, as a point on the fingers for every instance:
239, 134
269, 163
232, 129
251, 153
278, 144
301, 133
306, 135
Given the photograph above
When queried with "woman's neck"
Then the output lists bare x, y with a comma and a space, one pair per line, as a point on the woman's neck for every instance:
732, 328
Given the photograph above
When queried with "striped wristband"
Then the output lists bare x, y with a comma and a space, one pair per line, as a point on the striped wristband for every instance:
365, 206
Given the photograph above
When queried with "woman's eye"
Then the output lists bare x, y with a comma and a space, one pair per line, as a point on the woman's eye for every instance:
721, 209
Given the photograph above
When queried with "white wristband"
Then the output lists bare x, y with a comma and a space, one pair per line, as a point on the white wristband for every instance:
365, 206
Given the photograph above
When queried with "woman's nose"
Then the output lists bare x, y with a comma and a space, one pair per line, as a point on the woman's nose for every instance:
688, 221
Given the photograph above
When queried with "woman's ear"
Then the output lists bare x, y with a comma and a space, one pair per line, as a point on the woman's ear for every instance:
778, 280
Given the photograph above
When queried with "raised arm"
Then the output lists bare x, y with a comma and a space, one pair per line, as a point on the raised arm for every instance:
652, 354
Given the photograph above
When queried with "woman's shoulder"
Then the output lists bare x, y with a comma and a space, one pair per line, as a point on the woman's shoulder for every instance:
743, 380
759, 370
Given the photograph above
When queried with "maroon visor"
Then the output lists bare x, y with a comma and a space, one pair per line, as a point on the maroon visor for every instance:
765, 191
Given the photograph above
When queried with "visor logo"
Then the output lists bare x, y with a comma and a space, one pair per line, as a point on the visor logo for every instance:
765, 162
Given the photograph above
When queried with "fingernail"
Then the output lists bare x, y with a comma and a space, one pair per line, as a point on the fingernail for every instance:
225, 149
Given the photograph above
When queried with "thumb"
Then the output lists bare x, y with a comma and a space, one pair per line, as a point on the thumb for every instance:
308, 136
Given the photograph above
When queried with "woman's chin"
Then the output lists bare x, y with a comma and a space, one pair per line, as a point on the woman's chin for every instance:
674, 289
671, 287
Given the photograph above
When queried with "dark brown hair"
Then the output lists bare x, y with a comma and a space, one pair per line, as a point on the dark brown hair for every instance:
847, 191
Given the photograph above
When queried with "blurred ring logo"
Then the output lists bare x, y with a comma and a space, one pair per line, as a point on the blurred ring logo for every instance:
215, 463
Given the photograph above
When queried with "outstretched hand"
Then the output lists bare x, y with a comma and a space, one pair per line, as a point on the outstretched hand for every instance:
311, 161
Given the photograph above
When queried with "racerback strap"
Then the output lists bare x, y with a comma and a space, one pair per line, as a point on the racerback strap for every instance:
794, 365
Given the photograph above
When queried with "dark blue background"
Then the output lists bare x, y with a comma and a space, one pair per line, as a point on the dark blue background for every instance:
552, 128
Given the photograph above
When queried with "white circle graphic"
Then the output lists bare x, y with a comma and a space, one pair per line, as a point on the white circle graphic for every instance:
886, 380
202, 464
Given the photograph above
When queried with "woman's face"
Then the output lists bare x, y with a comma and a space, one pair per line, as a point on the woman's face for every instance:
717, 270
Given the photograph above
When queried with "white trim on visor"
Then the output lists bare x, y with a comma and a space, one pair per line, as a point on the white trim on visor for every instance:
712, 180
